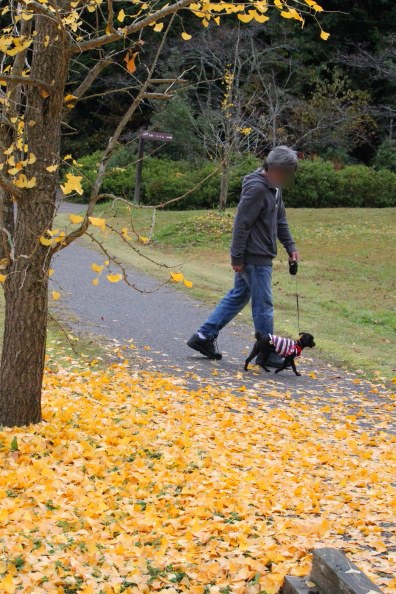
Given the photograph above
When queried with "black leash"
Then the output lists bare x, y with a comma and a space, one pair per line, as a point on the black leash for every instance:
298, 307
293, 267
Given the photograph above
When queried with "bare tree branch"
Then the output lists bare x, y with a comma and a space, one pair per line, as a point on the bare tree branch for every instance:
39, 8
9, 187
91, 77
64, 331
120, 265
167, 81
160, 96
110, 147
110, 15
26, 80
138, 25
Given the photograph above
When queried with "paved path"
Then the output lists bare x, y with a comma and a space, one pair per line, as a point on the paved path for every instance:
159, 324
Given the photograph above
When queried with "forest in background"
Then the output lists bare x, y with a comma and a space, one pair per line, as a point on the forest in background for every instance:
334, 98
247, 88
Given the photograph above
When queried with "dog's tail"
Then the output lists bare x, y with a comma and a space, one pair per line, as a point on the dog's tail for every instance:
258, 335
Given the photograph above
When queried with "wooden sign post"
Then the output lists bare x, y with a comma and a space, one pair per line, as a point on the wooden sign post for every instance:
146, 135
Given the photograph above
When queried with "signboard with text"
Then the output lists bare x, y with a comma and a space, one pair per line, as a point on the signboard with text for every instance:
149, 135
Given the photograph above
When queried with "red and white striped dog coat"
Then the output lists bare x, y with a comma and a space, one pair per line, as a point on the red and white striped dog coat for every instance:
285, 346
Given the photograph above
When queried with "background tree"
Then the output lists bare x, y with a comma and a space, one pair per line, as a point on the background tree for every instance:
44, 44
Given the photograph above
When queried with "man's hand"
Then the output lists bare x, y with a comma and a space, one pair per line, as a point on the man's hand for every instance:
238, 268
294, 257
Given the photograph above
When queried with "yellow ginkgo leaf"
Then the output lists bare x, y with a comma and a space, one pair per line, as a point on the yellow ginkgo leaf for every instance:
245, 18
88, 589
177, 277
46, 241
95, 282
23, 182
262, 6
7, 584
96, 222
55, 295
61, 237
16, 169
9, 150
121, 16
31, 159
51, 272
52, 168
314, 5
70, 100
75, 219
188, 283
2, 278
158, 27
185, 36
30, 183
114, 278
96, 267
143, 239
261, 18
72, 184
324, 35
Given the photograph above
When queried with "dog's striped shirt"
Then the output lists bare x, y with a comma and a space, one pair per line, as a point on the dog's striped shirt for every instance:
285, 346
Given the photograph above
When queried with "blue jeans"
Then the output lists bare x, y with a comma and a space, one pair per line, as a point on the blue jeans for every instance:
254, 282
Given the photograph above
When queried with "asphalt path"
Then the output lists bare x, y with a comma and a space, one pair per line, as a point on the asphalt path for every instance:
152, 328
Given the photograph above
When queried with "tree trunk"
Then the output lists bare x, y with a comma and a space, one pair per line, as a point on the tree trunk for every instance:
26, 285
23, 355
6, 205
224, 182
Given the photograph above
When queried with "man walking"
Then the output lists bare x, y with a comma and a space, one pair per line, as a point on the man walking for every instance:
260, 220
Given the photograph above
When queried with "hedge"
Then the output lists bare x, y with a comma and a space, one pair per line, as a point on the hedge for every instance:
318, 183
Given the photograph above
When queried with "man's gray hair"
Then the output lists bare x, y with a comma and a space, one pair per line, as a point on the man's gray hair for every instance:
282, 156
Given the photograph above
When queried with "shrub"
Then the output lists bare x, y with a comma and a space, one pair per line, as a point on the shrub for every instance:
314, 187
386, 156
318, 183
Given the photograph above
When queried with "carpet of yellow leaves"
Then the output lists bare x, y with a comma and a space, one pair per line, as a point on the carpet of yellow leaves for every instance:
136, 484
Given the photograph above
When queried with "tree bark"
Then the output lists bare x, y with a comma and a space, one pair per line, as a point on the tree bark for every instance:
224, 179
6, 203
26, 285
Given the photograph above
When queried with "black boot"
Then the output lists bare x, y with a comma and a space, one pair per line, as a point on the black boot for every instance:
274, 360
205, 346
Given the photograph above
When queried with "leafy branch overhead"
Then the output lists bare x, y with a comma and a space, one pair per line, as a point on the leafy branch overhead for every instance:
72, 18
72, 22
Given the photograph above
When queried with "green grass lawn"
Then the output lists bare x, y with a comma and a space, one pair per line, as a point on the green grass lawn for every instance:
346, 278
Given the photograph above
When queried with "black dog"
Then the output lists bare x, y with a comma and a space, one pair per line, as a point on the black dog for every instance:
289, 349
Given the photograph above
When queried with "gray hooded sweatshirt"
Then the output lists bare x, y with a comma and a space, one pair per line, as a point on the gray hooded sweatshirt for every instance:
259, 221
